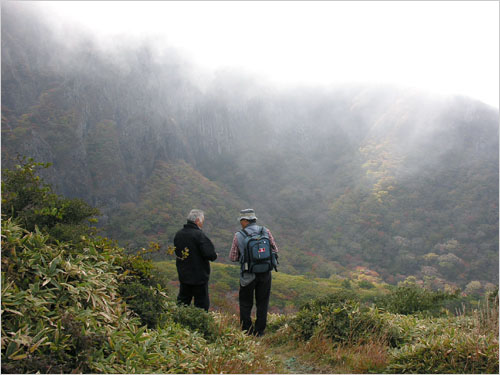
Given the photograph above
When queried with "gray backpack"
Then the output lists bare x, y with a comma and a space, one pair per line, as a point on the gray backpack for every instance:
258, 256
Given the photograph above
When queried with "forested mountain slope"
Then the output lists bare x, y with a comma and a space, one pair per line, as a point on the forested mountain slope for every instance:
392, 181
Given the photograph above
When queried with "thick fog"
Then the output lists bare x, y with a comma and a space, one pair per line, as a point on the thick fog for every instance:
231, 108
322, 42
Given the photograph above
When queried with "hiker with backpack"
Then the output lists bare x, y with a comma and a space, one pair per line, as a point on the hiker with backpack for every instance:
194, 251
254, 247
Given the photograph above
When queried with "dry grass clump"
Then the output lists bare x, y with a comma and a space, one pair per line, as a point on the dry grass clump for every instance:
370, 356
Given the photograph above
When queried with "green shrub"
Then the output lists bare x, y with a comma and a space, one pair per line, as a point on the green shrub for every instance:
137, 268
453, 344
451, 352
304, 323
352, 323
365, 284
409, 298
143, 288
337, 297
57, 301
493, 296
342, 318
29, 200
306, 320
195, 319
346, 284
276, 321
343, 322
147, 302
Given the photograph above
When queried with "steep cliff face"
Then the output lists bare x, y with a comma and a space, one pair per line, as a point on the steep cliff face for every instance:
87, 113
355, 175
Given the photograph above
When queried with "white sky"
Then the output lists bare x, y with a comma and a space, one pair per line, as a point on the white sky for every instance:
445, 47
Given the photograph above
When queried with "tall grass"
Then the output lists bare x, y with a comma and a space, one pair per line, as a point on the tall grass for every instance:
413, 343
465, 344
369, 356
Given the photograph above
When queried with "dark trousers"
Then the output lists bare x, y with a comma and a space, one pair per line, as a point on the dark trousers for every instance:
199, 292
261, 287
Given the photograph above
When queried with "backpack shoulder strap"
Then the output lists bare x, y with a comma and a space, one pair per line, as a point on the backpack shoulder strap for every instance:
243, 231
263, 231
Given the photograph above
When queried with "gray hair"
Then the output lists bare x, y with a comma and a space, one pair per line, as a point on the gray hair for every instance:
196, 214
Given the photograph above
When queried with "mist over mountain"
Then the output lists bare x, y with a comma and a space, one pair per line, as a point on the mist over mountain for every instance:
384, 181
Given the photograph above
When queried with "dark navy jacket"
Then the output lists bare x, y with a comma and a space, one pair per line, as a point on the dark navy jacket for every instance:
195, 269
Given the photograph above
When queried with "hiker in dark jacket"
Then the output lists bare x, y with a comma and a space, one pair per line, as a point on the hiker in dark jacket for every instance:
194, 250
252, 283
